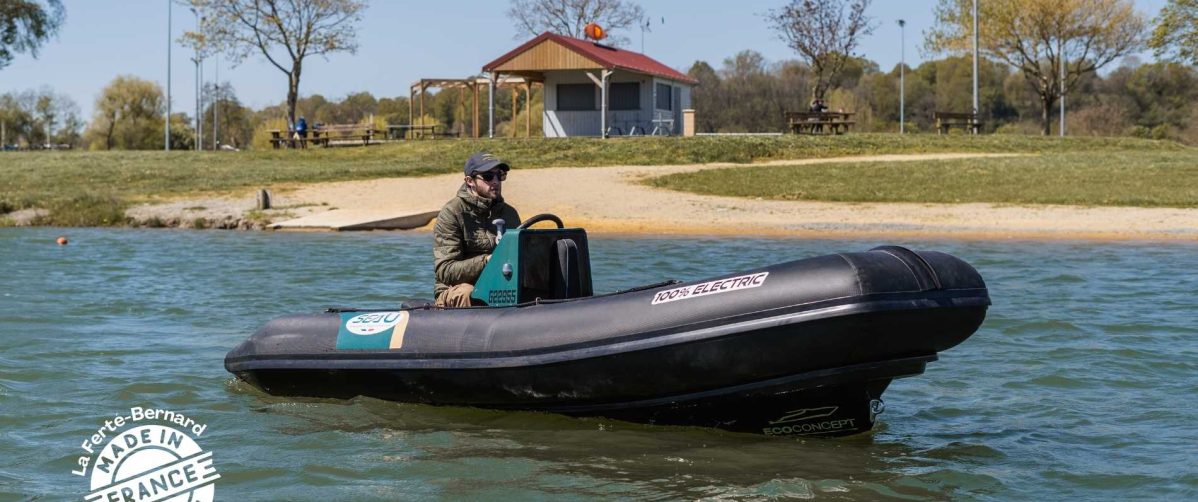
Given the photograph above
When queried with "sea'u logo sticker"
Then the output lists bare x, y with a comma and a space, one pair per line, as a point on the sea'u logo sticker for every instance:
372, 330
374, 323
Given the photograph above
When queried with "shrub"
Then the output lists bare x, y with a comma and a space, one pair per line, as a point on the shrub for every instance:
1020, 128
85, 210
262, 135
1163, 131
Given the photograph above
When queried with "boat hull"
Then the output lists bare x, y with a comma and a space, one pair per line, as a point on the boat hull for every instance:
798, 368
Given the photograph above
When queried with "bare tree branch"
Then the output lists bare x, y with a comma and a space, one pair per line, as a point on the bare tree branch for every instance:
1034, 35
822, 34
569, 17
285, 32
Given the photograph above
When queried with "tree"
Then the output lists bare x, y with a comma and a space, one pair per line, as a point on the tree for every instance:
128, 116
393, 110
25, 25
285, 32
1162, 93
1034, 36
183, 133
233, 120
822, 34
1176, 32
569, 17
40, 117
705, 97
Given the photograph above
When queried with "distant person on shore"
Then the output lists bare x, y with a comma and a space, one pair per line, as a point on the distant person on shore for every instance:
464, 235
817, 106
301, 132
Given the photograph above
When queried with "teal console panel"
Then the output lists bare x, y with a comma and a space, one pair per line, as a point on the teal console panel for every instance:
499, 284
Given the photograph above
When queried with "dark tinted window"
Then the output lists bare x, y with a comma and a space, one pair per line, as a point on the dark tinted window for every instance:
575, 97
624, 96
665, 97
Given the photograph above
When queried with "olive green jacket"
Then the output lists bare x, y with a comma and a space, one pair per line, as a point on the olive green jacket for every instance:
464, 236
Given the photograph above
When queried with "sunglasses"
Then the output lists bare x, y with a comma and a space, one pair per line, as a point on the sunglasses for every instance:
491, 175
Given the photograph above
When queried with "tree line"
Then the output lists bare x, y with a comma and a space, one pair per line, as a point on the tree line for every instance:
1034, 53
747, 93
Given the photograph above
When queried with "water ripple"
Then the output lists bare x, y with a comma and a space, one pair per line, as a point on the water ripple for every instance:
1077, 386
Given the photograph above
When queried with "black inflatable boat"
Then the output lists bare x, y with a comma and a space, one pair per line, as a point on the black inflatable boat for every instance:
803, 347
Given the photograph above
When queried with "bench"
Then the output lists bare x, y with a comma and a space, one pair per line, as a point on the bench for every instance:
343, 132
967, 121
411, 131
819, 122
279, 140
322, 135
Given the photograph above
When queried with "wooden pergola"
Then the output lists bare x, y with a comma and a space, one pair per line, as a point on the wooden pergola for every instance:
418, 89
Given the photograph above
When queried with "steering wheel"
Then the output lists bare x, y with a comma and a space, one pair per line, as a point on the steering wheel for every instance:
539, 218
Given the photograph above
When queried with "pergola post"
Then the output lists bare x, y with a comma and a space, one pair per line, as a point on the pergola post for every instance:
528, 109
602, 83
491, 104
603, 106
474, 87
514, 92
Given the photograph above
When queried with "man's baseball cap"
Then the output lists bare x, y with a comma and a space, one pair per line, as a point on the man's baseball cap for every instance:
482, 162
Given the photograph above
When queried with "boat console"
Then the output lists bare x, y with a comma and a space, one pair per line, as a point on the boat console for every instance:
536, 264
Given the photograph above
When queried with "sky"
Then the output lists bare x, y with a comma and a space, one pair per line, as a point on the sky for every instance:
401, 41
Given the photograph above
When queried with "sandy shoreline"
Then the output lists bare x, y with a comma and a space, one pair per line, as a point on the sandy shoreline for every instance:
610, 200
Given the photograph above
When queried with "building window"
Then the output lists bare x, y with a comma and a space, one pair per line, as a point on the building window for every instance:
575, 97
624, 96
665, 97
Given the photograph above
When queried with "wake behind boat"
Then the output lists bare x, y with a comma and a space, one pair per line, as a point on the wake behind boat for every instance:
802, 347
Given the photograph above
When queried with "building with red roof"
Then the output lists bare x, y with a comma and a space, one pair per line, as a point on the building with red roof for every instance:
591, 89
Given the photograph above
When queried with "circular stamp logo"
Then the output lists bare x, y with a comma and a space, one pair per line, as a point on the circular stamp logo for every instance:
150, 462
374, 323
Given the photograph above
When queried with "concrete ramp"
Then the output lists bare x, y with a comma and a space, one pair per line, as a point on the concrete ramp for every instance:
359, 219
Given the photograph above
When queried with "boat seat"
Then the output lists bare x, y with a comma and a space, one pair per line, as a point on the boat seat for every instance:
567, 275
554, 265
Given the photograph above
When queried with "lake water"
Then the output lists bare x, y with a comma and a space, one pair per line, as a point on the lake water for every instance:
1080, 384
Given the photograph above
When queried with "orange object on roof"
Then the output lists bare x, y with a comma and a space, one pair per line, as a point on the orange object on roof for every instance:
594, 32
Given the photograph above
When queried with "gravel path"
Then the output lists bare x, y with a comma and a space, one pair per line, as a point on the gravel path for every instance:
610, 200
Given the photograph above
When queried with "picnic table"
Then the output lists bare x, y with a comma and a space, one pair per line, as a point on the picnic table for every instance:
349, 133
280, 138
322, 135
819, 122
967, 121
418, 131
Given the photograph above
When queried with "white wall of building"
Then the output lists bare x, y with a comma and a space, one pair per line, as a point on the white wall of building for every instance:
565, 123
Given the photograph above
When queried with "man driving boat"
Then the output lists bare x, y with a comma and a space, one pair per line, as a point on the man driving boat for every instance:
464, 235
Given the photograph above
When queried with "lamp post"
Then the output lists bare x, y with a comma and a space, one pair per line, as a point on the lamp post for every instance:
216, 105
199, 62
902, 76
975, 67
166, 139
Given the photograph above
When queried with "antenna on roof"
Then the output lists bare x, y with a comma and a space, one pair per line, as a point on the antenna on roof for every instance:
646, 26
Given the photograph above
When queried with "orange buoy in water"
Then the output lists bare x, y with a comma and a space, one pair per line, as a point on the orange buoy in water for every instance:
62, 240
594, 32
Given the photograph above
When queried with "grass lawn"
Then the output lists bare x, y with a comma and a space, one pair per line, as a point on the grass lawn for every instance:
93, 188
1151, 178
